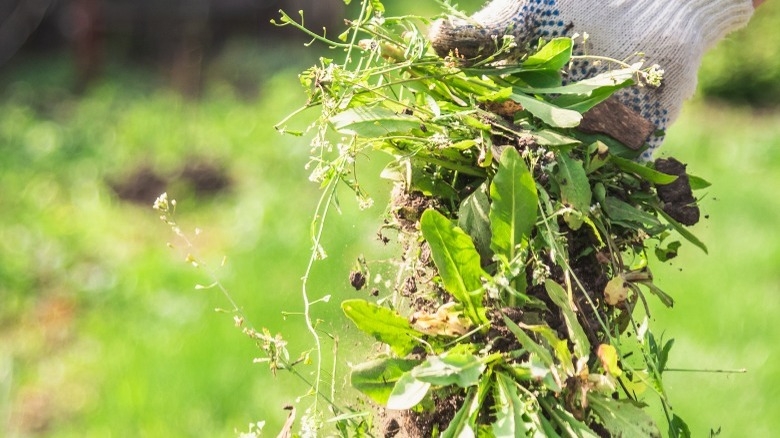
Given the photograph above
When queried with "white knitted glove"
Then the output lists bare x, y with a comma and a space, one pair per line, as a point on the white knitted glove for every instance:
671, 33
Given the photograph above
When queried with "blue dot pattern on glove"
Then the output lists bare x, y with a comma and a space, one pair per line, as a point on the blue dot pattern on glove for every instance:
542, 19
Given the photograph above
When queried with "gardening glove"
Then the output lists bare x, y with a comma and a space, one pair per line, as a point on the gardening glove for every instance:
674, 34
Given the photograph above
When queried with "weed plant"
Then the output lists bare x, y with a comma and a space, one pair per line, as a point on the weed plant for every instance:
520, 301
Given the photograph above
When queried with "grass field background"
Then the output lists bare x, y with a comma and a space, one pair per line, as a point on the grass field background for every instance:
102, 332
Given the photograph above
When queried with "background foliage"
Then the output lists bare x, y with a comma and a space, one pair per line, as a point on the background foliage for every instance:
102, 332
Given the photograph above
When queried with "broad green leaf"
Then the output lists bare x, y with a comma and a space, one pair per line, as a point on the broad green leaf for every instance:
608, 81
458, 262
459, 369
540, 78
548, 113
461, 425
515, 205
553, 56
407, 392
510, 410
373, 122
619, 211
528, 343
473, 219
383, 324
683, 231
561, 299
623, 419
575, 187
645, 172
377, 378
552, 139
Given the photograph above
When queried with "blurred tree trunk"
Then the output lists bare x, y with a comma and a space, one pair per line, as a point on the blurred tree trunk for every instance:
86, 37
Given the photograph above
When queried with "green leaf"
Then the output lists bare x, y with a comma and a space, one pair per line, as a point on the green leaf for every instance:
611, 80
540, 78
623, 419
678, 428
383, 324
377, 378
683, 231
548, 113
458, 262
575, 187
528, 343
515, 205
461, 425
584, 102
373, 122
698, 183
552, 139
664, 254
553, 56
663, 296
510, 410
560, 346
561, 299
473, 219
407, 392
645, 172
622, 212
377, 6
568, 424
459, 369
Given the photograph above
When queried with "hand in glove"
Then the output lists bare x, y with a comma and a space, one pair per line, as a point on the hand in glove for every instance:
674, 34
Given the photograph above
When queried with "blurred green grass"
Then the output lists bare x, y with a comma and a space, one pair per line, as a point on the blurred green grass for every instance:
103, 334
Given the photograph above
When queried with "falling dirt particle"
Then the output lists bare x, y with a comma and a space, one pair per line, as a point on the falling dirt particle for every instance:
357, 280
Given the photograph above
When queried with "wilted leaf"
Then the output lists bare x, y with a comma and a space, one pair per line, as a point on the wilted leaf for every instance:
609, 359
383, 324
